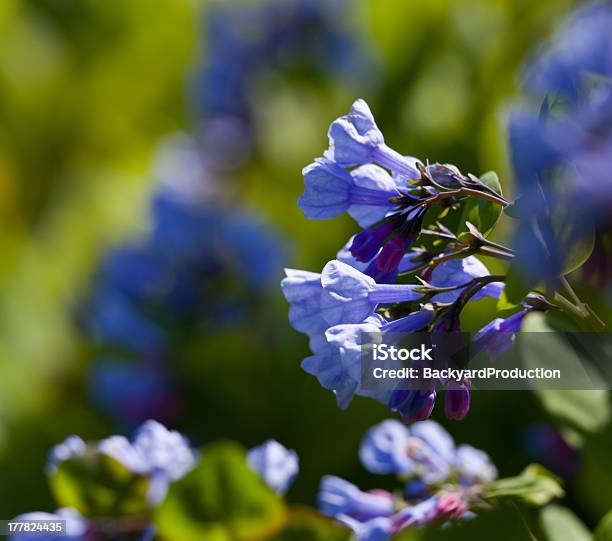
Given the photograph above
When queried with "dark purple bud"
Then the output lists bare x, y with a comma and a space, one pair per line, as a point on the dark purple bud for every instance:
367, 243
457, 401
379, 276
446, 175
418, 405
391, 254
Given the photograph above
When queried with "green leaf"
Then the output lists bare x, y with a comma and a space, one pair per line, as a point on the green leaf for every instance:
222, 499
483, 214
305, 524
99, 486
581, 411
603, 532
516, 285
491, 180
534, 486
558, 522
504, 304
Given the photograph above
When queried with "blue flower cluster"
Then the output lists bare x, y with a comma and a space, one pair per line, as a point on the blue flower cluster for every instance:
389, 195
188, 272
245, 41
562, 146
275, 464
162, 456
440, 481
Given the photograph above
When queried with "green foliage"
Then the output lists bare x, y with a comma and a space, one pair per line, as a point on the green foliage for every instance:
559, 523
581, 411
484, 214
221, 499
603, 532
305, 524
99, 486
534, 486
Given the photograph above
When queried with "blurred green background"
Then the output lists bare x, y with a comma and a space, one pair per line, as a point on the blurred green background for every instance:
89, 88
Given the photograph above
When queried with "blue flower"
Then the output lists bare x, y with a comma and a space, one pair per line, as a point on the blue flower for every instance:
455, 272
473, 466
496, 337
336, 363
76, 526
376, 529
72, 446
355, 139
339, 497
424, 450
275, 464
366, 192
350, 296
160, 454
303, 290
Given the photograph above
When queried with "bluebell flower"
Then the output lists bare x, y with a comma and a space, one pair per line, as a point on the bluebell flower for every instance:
561, 146
275, 464
303, 290
580, 48
455, 272
473, 466
366, 192
76, 526
160, 454
441, 481
339, 497
336, 361
375, 529
423, 450
497, 336
72, 446
414, 516
355, 139
350, 296
310, 34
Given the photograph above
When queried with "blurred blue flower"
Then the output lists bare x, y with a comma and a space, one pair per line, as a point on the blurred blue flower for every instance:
245, 41
275, 464
76, 526
425, 452
339, 497
72, 446
441, 481
132, 391
561, 148
160, 454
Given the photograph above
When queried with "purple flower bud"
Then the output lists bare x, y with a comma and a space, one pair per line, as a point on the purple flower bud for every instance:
451, 505
457, 401
391, 254
446, 175
418, 405
368, 243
